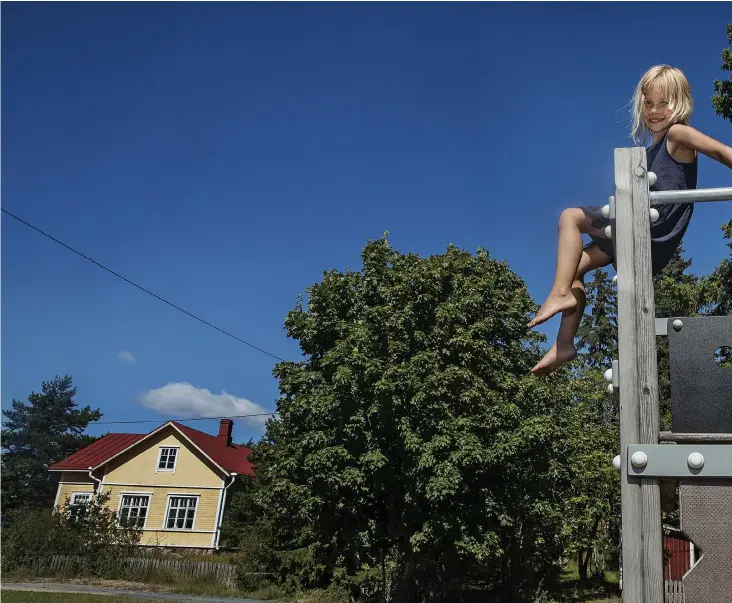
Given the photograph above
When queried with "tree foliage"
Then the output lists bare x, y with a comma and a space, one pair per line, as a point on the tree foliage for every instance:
413, 449
38, 434
722, 99
594, 499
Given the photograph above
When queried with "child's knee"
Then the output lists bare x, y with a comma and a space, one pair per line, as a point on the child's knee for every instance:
572, 215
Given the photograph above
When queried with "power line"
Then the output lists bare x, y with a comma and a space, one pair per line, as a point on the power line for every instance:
55, 240
261, 414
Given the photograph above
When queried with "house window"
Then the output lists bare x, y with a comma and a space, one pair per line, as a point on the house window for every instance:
181, 512
77, 500
133, 510
167, 458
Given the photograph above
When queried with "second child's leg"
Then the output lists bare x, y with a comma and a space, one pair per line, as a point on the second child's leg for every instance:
572, 223
563, 349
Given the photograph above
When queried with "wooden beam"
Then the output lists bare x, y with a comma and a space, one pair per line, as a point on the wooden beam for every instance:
639, 419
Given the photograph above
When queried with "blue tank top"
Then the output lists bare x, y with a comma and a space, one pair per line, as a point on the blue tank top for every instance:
670, 175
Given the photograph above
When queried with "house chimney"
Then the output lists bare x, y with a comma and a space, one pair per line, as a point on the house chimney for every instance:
225, 430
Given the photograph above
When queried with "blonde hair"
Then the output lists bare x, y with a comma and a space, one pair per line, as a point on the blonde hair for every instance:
672, 83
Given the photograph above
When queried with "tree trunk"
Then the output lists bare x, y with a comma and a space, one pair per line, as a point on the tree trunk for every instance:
583, 562
405, 587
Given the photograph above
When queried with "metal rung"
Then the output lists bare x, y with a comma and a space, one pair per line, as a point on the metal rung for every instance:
679, 460
699, 195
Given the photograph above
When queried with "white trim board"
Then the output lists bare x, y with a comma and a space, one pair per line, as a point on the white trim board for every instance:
126, 485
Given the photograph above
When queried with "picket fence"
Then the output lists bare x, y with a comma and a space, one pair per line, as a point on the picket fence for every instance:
674, 591
223, 573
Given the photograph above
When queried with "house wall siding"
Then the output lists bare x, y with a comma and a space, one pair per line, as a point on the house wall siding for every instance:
182, 539
154, 533
65, 491
76, 476
139, 465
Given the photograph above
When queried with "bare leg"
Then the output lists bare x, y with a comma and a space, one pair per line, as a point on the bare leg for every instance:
572, 224
563, 349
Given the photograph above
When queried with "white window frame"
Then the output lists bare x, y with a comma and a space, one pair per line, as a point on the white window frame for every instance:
134, 493
72, 503
160, 454
75, 494
172, 495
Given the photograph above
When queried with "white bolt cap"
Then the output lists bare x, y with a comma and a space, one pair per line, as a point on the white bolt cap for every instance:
605, 211
616, 462
651, 178
609, 232
639, 459
615, 279
695, 460
677, 324
609, 375
654, 215
610, 388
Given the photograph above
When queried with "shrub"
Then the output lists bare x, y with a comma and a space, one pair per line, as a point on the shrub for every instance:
87, 533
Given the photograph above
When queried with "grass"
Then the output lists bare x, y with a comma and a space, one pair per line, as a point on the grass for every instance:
162, 581
18, 596
595, 590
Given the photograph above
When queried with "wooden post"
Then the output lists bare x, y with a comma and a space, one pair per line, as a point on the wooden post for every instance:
642, 535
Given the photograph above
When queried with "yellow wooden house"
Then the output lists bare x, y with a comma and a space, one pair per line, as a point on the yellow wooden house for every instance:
172, 482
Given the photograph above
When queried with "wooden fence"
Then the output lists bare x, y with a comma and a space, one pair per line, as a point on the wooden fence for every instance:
673, 591
222, 573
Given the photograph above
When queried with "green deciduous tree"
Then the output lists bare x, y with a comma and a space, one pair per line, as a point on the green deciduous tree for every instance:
595, 491
720, 291
413, 450
722, 99
38, 434
720, 281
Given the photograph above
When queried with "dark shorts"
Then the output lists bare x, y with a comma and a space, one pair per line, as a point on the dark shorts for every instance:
661, 250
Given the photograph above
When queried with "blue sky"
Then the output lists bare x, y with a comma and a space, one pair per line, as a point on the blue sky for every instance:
223, 155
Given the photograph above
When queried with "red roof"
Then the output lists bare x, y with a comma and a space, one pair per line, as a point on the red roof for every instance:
232, 458
97, 452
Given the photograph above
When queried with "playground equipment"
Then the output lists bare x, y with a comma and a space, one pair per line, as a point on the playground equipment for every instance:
699, 449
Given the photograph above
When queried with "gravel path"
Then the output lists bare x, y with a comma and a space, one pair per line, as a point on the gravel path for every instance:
54, 587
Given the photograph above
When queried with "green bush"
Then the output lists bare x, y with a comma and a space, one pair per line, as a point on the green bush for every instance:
87, 533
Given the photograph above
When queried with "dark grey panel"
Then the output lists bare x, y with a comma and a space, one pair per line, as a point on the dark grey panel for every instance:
701, 391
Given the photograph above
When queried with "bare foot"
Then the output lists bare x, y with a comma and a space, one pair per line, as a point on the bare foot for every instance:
553, 305
553, 359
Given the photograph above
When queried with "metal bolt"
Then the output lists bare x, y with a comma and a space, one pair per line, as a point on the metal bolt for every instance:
616, 462
610, 388
639, 171
654, 215
695, 460
609, 232
615, 279
609, 375
677, 324
605, 211
652, 178
639, 459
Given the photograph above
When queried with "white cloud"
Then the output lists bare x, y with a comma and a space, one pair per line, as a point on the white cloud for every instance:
184, 400
126, 356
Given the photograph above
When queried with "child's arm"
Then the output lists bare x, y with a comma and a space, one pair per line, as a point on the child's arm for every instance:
693, 140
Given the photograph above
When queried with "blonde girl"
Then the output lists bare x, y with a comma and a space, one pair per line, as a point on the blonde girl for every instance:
662, 106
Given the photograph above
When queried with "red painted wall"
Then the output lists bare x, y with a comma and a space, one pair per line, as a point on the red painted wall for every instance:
676, 554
